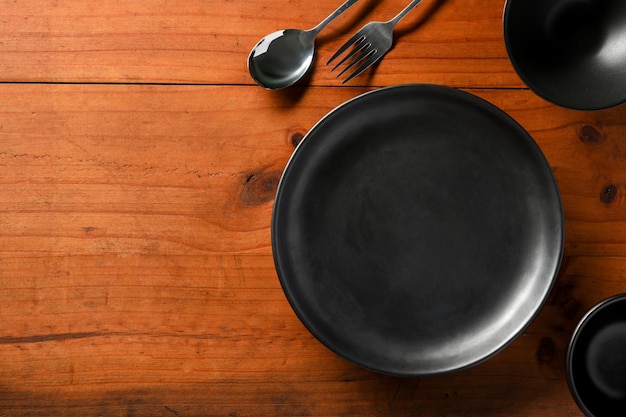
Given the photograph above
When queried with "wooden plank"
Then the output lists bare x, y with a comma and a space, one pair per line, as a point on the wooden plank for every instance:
136, 275
168, 168
452, 42
175, 348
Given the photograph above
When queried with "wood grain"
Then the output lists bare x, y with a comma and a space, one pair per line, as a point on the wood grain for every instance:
138, 166
136, 272
452, 42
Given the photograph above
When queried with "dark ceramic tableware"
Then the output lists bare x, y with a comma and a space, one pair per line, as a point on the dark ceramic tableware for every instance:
596, 360
570, 52
417, 230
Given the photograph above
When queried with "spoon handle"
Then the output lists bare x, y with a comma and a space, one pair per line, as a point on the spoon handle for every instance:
332, 16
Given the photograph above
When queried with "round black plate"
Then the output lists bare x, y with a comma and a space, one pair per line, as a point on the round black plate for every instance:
417, 230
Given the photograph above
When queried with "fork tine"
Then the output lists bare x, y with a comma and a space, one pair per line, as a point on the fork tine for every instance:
356, 38
355, 55
374, 56
365, 54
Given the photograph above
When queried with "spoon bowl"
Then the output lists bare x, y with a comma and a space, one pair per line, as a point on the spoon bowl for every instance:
282, 58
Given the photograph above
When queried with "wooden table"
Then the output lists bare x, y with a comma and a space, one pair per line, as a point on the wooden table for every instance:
138, 165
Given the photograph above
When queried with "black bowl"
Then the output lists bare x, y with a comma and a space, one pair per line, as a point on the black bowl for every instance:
596, 360
570, 52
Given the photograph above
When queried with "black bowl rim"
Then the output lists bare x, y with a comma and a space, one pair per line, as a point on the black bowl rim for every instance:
529, 81
619, 298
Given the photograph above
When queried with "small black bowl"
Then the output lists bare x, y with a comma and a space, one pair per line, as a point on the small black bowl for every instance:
570, 52
596, 360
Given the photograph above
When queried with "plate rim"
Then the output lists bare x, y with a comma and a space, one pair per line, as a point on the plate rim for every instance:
493, 110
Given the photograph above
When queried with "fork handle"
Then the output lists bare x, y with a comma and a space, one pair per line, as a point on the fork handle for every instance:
404, 12
333, 16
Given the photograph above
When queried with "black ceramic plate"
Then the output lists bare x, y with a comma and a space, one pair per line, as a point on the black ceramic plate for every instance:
417, 230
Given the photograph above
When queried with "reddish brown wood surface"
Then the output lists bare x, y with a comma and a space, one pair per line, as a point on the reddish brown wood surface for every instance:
138, 165
452, 42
